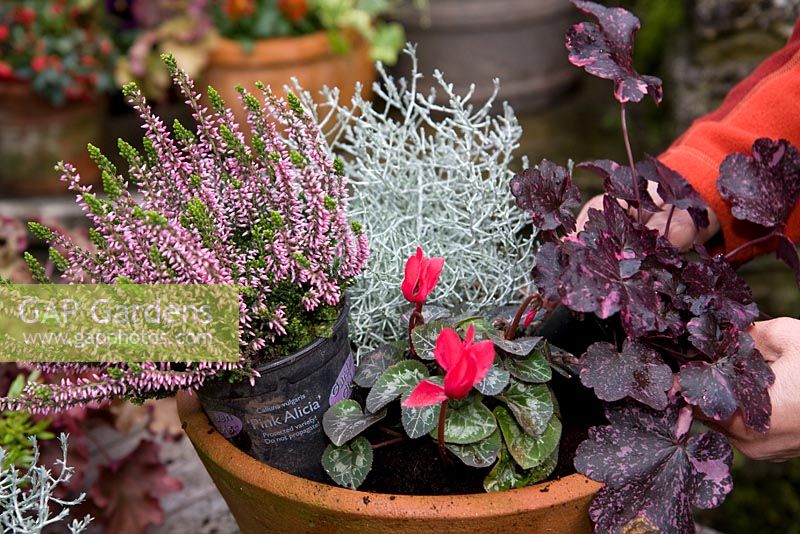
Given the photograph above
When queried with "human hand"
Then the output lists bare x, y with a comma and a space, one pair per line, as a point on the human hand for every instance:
682, 231
779, 343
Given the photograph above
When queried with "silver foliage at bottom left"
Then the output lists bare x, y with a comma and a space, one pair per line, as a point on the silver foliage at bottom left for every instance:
27, 495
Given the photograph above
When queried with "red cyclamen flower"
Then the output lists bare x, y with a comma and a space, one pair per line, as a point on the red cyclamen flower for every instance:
420, 277
466, 363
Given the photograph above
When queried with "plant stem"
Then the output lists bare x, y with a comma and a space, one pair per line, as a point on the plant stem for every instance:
669, 222
634, 177
388, 442
414, 321
440, 435
512, 328
730, 255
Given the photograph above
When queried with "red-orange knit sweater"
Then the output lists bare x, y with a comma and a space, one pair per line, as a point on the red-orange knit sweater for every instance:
765, 104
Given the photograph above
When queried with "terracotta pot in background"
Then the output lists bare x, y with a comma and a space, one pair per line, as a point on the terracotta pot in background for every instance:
309, 58
264, 499
34, 136
521, 42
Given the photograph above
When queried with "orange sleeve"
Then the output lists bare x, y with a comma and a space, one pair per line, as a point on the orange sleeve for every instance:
765, 104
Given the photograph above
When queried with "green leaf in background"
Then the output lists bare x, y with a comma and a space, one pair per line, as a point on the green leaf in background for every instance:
482, 453
372, 364
424, 338
419, 421
504, 475
522, 346
349, 465
495, 380
397, 380
532, 368
531, 404
345, 420
467, 421
528, 451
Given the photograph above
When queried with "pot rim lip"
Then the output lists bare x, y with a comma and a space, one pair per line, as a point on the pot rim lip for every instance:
277, 50
211, 445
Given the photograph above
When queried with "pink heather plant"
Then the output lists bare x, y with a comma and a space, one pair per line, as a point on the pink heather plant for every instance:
270, 217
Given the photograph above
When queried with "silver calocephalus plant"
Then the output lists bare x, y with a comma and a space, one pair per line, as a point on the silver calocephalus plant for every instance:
27, 500
429, 175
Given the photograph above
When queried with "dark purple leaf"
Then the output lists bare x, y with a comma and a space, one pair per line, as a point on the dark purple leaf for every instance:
675, 190
605, 50
637, 372
548, 195
712, 286
704, 333
787, 252
547, 271
603, 270
762, 188
654, 471
737, 377
618, 183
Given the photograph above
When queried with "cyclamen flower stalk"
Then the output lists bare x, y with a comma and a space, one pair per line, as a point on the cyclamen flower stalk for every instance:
270, 217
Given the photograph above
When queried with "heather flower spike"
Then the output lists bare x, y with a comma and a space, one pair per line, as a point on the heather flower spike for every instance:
465, 363
605, 49
421, 276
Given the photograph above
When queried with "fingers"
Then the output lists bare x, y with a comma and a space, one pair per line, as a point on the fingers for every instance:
776, 337
583, 216
682, 231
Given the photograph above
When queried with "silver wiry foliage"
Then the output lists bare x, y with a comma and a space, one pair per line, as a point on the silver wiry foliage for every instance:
27, 501
434, 176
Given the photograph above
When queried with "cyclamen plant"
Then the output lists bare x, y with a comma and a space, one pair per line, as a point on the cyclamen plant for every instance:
484, 398
270, 218
685, 353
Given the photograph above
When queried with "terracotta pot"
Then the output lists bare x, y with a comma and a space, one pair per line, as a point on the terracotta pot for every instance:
309, 58
34, 136
521, 42
264, 499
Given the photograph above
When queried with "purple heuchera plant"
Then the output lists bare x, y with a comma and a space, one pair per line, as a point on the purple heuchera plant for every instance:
685, 350
270, 218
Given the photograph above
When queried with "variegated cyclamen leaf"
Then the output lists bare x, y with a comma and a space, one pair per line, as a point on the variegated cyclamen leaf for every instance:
350, 464
495, 380
521, 346
467, 421
653, 468
424, 338
543, 470
482, 453
345, 420
434, 313
532, 368
531, 404
528, 451
419, 421
397, 380
372, 364
504, 475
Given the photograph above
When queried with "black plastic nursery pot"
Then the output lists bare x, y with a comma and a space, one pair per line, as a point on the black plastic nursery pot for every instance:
279, 419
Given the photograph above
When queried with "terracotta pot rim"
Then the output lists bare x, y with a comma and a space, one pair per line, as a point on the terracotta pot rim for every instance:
241, 466
276, 50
